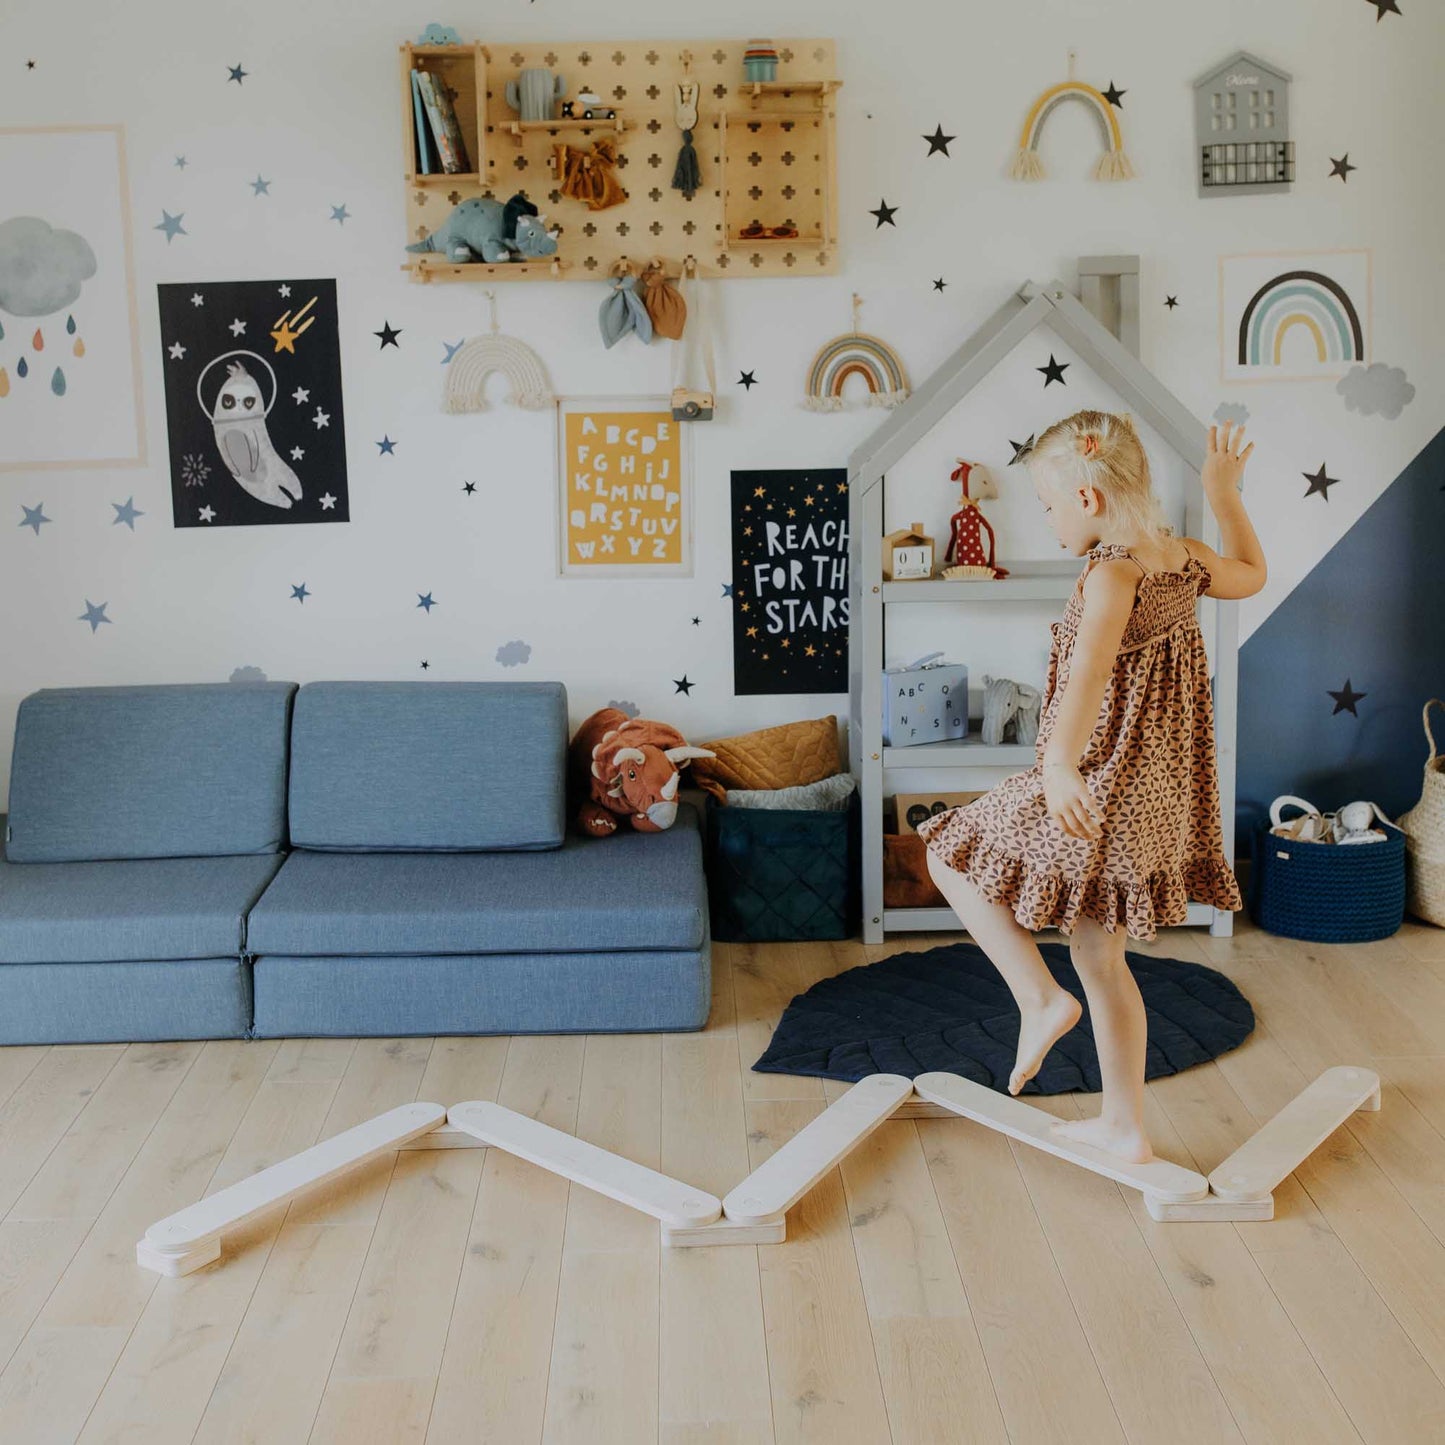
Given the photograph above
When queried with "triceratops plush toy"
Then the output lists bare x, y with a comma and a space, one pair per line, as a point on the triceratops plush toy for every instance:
624, 767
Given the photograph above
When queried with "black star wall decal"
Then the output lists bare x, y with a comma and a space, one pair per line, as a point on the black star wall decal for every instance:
1115, 96
683, 685
939, 284
1346, 699
1054, 371
1382, 7
938, 141
747, 380
1021, 449
1319, 482
884, 214
469, 488
1171, 302
388, 335
1341, 167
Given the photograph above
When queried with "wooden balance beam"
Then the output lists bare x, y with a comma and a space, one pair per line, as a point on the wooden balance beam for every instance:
1242, 1188
755, 1211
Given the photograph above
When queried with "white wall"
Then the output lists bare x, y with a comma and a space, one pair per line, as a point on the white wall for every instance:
318, 116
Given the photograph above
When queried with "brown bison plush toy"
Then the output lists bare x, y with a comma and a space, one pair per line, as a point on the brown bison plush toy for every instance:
622, 767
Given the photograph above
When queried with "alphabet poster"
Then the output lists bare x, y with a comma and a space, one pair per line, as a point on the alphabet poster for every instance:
790, 581
624, 489
253, 402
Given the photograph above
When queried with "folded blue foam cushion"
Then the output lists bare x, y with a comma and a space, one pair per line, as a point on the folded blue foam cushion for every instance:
630, 891
183, 771
428, 766
128, 909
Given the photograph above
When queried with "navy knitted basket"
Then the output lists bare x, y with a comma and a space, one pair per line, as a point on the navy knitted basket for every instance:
1328, 892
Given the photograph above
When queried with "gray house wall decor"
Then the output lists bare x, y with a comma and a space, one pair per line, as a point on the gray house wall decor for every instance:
1241, 127
870, 595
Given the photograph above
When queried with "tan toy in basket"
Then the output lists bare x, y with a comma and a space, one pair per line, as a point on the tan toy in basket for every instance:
1424, 828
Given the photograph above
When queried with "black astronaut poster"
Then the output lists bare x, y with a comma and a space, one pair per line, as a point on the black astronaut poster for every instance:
253, 402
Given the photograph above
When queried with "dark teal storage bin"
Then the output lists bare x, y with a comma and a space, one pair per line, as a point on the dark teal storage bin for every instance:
1328, 892
783, 875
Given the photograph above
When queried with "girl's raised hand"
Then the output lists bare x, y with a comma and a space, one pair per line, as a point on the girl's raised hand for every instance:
1224, 464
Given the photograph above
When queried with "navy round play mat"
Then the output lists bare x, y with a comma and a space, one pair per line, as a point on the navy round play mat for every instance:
947, 1008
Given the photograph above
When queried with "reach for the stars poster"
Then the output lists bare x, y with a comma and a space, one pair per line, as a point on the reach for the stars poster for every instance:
790, 581
253, 403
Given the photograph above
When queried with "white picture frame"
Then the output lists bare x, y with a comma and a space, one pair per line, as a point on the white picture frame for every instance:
652, 536
1294, 315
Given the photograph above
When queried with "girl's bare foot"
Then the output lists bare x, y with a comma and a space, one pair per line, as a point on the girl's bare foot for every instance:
1039, 1030
1130, 1144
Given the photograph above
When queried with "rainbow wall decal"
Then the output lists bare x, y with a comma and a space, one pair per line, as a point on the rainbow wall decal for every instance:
1113, 165
855, 353
468, 370
1307, 299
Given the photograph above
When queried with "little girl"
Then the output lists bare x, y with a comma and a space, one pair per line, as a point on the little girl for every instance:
1115, 828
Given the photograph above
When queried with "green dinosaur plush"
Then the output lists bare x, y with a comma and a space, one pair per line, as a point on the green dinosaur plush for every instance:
482, 229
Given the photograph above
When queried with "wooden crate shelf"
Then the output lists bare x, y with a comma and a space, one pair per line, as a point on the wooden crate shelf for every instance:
792, 180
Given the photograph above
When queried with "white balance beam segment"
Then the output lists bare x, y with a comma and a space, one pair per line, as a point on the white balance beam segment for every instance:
782, 1179
670, 1200
192, 1237
1157, 1179
1265, 1158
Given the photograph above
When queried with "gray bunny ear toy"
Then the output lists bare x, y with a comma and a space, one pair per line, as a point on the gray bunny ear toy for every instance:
622, 310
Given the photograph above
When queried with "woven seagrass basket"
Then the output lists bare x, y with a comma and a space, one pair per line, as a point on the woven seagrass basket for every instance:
1424, 828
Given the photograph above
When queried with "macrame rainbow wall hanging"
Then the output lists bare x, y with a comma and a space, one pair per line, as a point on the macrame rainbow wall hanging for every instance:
1113, 165
855, 353
468, 370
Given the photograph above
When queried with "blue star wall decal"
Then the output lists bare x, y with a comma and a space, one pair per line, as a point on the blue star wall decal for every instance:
94, 614
340, 213
126, 512
237, 74
299, 592
34, 516
260, 187
727, 589
424, 601
171, 225
387, 446
452, 350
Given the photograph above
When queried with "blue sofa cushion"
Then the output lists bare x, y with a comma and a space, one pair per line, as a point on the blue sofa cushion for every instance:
128, 909
428, 766
630, 891
184, 771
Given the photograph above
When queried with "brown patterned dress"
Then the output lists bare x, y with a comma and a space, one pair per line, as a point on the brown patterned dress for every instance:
1150, 766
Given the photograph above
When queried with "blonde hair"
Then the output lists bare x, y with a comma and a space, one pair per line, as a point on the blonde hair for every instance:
1099, 449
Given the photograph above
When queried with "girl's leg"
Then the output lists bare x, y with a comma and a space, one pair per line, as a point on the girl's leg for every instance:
1046, 1011
1116, 1011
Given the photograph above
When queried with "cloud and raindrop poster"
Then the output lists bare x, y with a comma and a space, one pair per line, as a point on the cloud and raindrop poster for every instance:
253, 402
69, 353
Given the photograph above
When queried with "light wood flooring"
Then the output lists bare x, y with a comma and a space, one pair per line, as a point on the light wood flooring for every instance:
941, 1285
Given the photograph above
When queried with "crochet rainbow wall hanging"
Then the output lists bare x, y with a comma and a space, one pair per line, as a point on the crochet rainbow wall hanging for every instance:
855, 353
477, 359
1113, 165
1308, 299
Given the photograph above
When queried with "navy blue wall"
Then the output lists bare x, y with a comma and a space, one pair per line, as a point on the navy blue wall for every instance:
1371, 613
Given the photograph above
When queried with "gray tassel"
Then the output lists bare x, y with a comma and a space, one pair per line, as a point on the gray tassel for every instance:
687, 178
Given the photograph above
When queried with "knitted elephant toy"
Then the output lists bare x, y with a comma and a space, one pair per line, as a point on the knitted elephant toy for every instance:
481, 229
1008, 704
626, 767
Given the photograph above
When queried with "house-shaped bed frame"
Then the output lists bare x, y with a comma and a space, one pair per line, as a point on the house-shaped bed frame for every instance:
1031, 306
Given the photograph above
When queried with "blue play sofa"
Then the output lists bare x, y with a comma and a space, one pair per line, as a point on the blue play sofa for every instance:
344, 858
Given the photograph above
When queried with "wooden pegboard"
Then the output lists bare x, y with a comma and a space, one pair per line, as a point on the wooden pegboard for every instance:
767, 155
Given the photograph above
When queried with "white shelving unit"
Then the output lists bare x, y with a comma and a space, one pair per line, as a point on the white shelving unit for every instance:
871, 597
